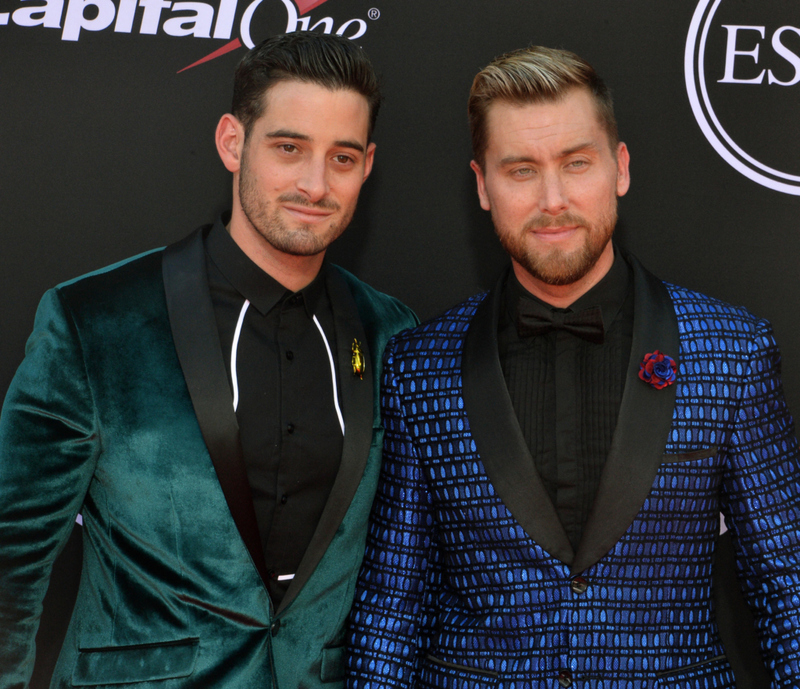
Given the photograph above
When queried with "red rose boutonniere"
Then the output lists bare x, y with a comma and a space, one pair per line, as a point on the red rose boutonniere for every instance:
658, 370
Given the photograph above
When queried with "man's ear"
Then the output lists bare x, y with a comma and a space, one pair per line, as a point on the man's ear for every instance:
623, 169
482, 195
229, 138
369, 158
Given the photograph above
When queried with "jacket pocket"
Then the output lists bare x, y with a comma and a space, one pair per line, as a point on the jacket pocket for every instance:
139, 663
441, 673
332, 667
690, 456
698, 675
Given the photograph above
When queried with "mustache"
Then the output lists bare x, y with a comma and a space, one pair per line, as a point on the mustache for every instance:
298, 200
541, 222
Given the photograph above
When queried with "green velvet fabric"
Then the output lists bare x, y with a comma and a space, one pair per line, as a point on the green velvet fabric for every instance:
138, 663
98, 420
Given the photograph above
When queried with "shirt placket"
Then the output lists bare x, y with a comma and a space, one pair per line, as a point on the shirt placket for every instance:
566, 431
288, 327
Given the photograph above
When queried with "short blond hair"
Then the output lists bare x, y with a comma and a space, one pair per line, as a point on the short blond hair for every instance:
535, 75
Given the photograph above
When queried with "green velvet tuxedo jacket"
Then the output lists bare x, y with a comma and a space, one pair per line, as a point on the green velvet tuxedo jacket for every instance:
121, 411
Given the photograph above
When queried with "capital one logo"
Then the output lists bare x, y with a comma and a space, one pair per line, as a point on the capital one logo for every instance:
179, 18
742, 70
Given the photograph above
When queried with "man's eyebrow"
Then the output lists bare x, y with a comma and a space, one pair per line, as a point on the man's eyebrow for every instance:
515, 160
350, 144
289, 134
589, 145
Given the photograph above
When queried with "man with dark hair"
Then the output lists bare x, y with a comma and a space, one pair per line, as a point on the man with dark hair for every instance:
297, 57
210, 410
558, 451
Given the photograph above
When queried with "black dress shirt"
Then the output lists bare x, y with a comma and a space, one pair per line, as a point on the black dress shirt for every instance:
290, 432
566, 391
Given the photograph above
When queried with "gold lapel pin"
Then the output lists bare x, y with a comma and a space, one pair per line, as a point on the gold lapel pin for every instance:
358, 360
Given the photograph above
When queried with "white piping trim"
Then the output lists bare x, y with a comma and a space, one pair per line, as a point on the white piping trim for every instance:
285, 577
234, 348
333, 374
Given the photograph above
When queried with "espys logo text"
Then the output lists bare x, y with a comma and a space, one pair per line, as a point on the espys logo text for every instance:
742, 68
196, 19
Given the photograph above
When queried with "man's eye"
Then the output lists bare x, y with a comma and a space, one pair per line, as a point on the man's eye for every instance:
578, 164
288, 148
343, 159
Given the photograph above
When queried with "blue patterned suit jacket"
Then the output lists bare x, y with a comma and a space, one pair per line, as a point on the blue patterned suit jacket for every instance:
469, 579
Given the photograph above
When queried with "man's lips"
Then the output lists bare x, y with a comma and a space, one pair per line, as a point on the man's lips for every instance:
554, 234
308, 214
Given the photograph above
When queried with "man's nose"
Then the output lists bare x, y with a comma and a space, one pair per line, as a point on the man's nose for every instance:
553, 197
313, 181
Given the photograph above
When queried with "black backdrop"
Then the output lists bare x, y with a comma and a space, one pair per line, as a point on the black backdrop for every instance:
107, 151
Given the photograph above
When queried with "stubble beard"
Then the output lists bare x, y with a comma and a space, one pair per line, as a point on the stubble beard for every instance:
556, 266
299, 240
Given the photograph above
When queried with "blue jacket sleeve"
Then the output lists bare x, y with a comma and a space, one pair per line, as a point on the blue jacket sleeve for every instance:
761, 504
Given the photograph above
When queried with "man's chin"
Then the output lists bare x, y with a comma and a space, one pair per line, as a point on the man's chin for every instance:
299, 239
300, 248
558, 268
302, 241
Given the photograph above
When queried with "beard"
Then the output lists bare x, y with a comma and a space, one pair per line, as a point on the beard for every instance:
556, 266
266, 219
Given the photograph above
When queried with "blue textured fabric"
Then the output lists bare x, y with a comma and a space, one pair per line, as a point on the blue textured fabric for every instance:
454, 593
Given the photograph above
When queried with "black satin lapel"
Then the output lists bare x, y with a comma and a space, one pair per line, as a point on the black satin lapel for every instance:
356, 396
498, 437
194, 331
643, 424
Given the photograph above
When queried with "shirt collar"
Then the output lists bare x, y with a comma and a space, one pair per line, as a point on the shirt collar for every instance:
609, 294
262, 290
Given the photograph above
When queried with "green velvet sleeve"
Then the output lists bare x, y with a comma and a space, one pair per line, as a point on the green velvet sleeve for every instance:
49, 443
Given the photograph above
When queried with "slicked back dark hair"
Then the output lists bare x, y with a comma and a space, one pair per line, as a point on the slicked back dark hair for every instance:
328, 60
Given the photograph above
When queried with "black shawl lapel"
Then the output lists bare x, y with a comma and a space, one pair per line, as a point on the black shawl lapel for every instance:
643, 424
357, 408
194, 331
498, 437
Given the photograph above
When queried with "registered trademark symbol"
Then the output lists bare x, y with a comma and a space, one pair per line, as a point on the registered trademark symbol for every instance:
374, 13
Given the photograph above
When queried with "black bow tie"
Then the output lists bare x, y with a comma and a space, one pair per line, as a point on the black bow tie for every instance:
535, 319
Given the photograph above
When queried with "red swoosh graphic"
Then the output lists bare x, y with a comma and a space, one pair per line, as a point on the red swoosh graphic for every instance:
304, 6
308, 5
233, 45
